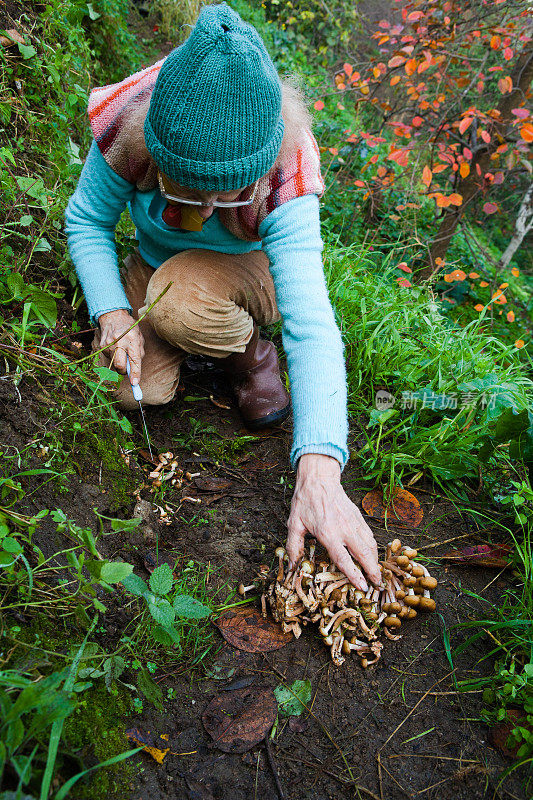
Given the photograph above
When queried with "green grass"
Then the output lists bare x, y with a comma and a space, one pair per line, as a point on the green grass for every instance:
398, 340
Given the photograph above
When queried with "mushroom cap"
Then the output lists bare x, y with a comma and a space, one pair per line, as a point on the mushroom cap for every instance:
280, 552
307, 566
427, 604
346, 649
417, 571
428, 583
402, 561
395, 607
395, 545
411, 614
392, 622
410, 552
411, 600
400, 594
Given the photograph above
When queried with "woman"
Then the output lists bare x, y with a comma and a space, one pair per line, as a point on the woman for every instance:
217, 164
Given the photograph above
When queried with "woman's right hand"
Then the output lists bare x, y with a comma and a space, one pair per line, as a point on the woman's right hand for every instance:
113, 325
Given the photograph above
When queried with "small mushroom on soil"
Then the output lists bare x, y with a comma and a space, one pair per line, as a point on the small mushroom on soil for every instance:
348, 620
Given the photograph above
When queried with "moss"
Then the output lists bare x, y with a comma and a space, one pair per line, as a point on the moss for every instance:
95, 730
98, 725
100, 449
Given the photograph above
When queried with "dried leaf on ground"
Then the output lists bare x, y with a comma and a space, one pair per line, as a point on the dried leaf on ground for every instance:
238, 720
247, 630
403, 508
482, 555
154, 745
212, 484
499, 734
12, 39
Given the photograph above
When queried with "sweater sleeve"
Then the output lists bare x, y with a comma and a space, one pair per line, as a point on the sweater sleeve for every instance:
91, 216
311, 339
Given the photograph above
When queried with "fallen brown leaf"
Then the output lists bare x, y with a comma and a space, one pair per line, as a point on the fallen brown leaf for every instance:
403, 509
482, 555
238, 720
212, 484
149, 743
13, 37
247, 630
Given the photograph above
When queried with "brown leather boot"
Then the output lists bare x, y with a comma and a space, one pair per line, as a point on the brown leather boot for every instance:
255, 380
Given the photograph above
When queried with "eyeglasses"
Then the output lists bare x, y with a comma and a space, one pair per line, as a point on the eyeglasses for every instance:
173, 199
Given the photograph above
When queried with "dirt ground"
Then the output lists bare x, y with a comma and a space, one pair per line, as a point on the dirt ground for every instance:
396, 730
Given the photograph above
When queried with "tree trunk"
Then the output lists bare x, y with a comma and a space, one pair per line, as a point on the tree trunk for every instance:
524, 223
472, 185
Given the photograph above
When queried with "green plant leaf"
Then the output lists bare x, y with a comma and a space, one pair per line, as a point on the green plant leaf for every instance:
26, 50
165, 636
115, 571
149, 688
113, 668
43, 306
106, 374
190, 608
161, 579
293, 699
11, 545
161, 611
134, 584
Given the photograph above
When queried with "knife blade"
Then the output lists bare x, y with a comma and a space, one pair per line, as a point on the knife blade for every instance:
138, 395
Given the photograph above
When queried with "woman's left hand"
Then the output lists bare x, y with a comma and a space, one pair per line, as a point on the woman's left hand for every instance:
321, 508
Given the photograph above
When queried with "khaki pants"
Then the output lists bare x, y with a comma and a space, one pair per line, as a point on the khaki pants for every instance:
209, 309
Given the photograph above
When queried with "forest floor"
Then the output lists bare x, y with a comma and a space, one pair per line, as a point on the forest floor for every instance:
400, 729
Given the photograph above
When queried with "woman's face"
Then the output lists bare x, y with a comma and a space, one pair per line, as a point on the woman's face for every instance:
172, 187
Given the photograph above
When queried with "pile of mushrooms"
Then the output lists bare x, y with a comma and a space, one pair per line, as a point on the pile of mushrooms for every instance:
349, 620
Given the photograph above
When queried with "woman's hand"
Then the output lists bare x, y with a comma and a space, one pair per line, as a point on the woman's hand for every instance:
114, 324
321, 508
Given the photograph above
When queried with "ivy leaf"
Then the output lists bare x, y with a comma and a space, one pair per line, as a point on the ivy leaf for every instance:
161, 579
190, 608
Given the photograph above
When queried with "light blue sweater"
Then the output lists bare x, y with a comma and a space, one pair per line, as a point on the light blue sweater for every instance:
290, 237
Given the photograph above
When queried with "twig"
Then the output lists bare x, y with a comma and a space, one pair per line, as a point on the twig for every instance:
273, 767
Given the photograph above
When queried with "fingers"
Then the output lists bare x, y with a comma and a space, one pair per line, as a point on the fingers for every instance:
136, 354
130, 344
343, 560
119, 359
362, 545
295, 540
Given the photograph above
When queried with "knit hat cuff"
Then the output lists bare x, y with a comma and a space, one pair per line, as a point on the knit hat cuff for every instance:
216, 176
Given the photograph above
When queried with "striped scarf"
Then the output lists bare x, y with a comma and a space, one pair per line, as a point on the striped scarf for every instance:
117, 113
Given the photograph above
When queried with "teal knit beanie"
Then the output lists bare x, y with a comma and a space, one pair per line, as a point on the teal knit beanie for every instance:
214, 122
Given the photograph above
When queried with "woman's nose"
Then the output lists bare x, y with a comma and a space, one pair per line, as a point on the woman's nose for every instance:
205, 211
